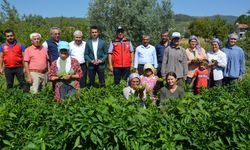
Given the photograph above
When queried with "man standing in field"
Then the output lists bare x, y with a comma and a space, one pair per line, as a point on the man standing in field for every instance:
96, 55
121, 56
164, 43
36, 63
235, 60
144, 54
76, 50
11, 56
51, 44
175, 59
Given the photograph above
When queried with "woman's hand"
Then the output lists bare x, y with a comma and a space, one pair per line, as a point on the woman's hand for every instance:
66, 77
54, 78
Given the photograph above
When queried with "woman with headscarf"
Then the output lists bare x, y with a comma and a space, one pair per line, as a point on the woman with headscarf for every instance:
217, 62
195, 54
65, 72
134, 88
235, 60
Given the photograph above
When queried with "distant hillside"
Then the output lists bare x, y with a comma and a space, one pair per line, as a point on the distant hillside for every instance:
187, 18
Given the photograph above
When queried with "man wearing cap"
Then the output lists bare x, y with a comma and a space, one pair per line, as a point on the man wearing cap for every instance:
66, 72
120, 56
235, 60
175, 59
145, 54
76, 50
36, 63
11, 60
96, 55
164, 43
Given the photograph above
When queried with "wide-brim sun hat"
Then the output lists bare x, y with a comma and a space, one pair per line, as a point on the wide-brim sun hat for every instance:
149, 66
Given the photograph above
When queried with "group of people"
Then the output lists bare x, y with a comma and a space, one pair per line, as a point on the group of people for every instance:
198, 68
67, 65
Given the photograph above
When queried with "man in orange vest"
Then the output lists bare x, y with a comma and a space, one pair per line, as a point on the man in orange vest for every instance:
11, 55
121, 56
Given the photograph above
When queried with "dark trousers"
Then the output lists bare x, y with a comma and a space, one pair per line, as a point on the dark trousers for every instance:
228, 80
66, 90
159, 71
100, 71
213, 82
10, 73
140, 69
83, 80
121, 73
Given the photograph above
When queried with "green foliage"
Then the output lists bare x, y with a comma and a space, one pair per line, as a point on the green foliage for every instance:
103, 119
208, 28
137, 17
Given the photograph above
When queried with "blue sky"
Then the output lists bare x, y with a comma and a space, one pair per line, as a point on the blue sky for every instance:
79, 8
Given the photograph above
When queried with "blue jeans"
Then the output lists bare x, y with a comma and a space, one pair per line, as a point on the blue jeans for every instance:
83, 80
66, 90
100, 71
121, 73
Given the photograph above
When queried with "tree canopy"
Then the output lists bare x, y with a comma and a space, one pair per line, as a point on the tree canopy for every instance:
137, 17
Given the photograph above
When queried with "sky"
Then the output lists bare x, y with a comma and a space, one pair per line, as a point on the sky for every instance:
79, 8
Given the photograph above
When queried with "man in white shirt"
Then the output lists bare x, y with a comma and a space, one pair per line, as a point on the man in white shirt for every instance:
76, 50
145, 54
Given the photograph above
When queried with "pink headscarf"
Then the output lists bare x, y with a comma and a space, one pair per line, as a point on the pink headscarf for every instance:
198, 46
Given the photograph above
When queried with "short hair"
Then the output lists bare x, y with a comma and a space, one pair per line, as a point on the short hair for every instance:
145, 36
171, 74
9, 31
35, 34
165, 31
77, 32
94, 27
54, 28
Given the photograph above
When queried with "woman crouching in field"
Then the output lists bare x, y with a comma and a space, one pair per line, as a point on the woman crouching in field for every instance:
65, 72
134, 87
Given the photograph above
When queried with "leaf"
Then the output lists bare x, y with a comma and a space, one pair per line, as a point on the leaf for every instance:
7, 142
93, 138
77, 143
43, 146
31, 146
179, 137
99, 117
12, 115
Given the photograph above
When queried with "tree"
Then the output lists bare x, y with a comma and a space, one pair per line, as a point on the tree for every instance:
9, 14
137, 17
208, 28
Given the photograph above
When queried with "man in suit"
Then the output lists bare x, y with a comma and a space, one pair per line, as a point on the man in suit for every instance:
96, 55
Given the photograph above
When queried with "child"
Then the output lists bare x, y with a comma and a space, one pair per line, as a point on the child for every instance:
149, 80
201, 77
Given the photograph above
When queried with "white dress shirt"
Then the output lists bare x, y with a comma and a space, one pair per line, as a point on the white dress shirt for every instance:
95, 47
145, 55
77, 51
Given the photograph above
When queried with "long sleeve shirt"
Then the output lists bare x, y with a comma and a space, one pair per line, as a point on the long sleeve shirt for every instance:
159, 52
193, 54
175, 60
235, 62
221, 58
145, 55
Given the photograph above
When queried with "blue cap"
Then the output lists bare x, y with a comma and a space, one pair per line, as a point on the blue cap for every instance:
63, 45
